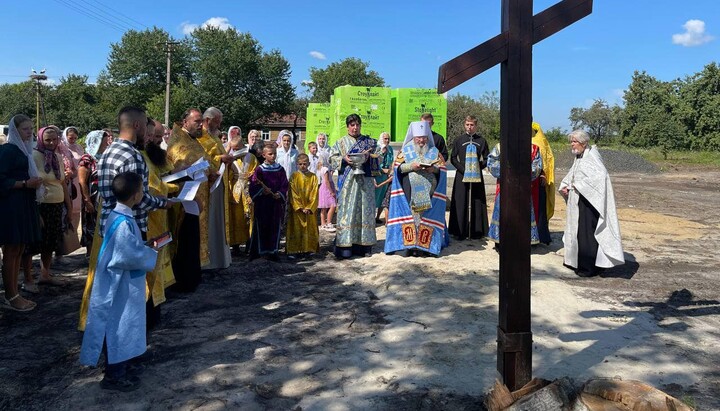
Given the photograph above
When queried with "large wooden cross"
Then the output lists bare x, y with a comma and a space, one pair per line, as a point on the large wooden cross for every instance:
513, 50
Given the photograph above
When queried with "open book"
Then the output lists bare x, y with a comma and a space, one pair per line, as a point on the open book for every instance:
160, 241
426, 164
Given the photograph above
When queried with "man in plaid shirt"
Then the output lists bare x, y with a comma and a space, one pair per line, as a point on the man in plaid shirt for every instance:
121, 156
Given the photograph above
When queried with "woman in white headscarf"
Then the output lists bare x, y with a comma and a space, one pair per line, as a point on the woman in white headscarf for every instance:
96, 142
286, 153
74, 152
20, 187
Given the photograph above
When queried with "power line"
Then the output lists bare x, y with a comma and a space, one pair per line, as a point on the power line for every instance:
120, 14
107, 19
83, 12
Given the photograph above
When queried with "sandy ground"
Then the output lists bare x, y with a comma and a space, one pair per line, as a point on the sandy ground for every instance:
396, 333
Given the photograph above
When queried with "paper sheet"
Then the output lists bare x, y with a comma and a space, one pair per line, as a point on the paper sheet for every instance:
193, 171
189, 190
191, 207
221, 173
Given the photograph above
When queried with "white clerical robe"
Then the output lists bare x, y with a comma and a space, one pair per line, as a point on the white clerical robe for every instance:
589, 177
117, 302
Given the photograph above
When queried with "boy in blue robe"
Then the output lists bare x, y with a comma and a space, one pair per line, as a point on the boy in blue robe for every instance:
116, 314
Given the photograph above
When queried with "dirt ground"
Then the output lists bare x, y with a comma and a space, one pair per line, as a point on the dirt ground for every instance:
396, 333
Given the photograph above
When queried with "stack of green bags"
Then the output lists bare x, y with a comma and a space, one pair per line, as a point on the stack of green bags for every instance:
408, 104
380, 108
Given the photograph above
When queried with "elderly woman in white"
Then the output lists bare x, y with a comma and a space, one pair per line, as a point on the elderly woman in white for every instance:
592, 232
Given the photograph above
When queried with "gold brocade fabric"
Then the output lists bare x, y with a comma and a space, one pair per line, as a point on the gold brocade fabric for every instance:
162, 276
214, 149
183, 151
548, 160
302, 230
85, 303
240, 202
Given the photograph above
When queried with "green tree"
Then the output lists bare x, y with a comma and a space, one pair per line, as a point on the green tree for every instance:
74, 102
486, 109
700, 108
18, 98
182, 96
138, 66
352, 71
234, 74
600, 120
556, 134
651, 114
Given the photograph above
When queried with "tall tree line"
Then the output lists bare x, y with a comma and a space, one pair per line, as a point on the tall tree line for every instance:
212, 67
680, 114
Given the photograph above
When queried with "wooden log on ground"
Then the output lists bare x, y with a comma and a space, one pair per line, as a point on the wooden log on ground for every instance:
561, 394
635, 395
499, 397
529, 388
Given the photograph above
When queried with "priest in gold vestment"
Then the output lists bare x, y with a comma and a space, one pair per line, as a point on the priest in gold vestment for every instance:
218, 230
192, 250
158, 221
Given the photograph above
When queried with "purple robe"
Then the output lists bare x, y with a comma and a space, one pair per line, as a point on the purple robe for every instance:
268, 211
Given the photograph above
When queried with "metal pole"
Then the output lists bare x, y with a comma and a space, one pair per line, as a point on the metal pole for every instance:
38, 78
470, 199
37, 105
167, 85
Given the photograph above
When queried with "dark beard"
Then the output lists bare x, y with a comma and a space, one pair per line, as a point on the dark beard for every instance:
156, 154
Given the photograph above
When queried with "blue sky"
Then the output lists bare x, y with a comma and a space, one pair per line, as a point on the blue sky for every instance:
404, 41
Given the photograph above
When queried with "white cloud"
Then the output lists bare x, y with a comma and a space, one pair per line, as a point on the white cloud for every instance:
694, 34
188, 28
318, 55
223, 23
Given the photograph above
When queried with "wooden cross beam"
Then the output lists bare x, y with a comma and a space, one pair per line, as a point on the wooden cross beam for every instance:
512, 49
494, 51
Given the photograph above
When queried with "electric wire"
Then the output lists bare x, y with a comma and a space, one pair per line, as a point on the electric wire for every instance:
116, 13
98, 16
111, 24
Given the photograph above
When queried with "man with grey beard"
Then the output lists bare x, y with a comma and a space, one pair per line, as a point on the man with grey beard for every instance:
216, 154
416, 218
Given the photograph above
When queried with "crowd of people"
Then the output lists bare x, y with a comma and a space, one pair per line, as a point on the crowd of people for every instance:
249, 196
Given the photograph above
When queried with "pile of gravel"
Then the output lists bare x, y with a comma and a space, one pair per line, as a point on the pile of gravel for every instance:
616, 161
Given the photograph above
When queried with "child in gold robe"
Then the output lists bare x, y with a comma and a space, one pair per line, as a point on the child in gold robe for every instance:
303, 237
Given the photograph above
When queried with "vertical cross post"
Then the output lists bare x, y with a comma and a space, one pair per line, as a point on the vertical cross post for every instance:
514, 360
513, 50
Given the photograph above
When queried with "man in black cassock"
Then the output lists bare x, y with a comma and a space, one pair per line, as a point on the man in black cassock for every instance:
468, 218
438, 139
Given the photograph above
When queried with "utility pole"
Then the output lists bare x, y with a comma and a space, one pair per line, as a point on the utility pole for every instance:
168, 49
38, 78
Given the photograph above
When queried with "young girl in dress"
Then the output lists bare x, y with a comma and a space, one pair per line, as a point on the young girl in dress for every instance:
326, 197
